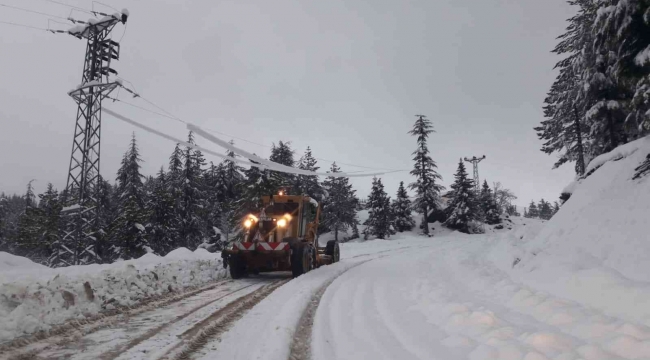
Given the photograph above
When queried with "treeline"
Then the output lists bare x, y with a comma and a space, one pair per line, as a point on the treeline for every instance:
194, 204
543, 210
600, 97
190, 204
463, 208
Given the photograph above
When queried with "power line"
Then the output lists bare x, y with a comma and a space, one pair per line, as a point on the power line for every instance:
32, 11
70, 6
173, 117
23, 25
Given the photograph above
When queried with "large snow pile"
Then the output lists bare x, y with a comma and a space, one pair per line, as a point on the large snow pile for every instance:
596, 249
34, 297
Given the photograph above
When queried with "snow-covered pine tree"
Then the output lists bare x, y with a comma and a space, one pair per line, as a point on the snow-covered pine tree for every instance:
379, 222
533, 211
606, 110
526, 215
4, 241
128, 234
463, 207
193, 201
282, 154
175, 179
308, 184
162, 228
564, 130
27, 243
621, 31
556, 207
427, 190
14, 206
50, 221
108, 199
339, 206
545, 210
230, 184
402, 210
257, 183
212, 178
488, 205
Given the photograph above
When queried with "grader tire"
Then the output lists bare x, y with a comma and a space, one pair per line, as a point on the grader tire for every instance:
301, 259
237, 267
332, 249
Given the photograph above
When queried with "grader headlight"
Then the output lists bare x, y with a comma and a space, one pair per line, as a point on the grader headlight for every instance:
248, 223
282, 223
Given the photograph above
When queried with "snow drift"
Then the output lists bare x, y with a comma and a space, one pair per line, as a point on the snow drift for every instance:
596, 249
34, 297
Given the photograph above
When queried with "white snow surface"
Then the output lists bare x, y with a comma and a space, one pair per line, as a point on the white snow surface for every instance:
31, 295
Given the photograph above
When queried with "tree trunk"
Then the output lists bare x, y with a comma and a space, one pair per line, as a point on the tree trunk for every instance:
580, 165
425, 221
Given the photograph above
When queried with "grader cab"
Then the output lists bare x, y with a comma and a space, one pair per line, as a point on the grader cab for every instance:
283, 236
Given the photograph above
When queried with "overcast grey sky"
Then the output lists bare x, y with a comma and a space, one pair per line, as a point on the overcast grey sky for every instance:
344, 77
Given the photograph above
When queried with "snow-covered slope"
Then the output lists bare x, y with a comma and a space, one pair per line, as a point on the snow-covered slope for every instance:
596, 249
34, 297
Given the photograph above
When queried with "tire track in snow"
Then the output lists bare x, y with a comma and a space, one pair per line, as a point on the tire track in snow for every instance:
114, 354
76, 328
217, 323
301, 343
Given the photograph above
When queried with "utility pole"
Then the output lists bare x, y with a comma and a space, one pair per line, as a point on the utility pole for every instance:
475, 162
80, 214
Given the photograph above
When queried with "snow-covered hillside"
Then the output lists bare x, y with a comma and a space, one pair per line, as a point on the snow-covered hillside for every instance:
596, 249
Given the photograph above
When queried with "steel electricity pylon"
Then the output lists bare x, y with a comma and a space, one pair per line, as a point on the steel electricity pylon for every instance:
475, 161
77, 244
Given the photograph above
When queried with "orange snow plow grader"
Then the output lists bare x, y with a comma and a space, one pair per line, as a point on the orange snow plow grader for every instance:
282, 237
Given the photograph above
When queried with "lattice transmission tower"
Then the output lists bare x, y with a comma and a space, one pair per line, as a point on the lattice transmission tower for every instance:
77, 245
475, 161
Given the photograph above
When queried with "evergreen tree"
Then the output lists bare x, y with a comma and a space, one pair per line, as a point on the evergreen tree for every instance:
488, 205
463, 207
402, 210
339, 206
128, 236
556, 207
4, 241
621, 33
257, 183
545, 210
162, 228
379, 222
282, 154
308, 184
230, 185
427, 190
29, 227
192, 206
533, 211
50, 220
526, 215
565, 130
108, 200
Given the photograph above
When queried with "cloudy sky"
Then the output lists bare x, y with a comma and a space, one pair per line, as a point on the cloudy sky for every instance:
344, 77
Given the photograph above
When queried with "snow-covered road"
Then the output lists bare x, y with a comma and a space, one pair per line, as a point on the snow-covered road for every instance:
447, 301
448, 297
430, 298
